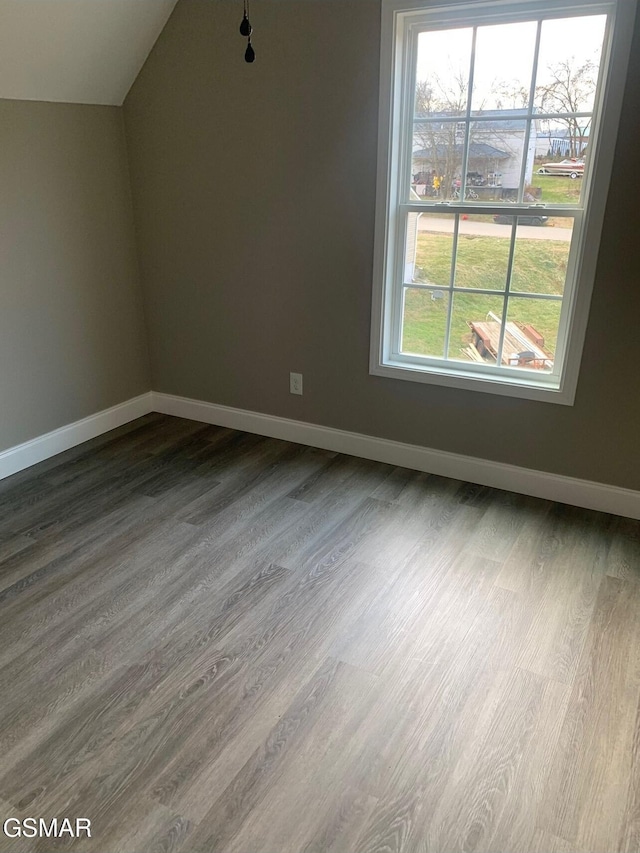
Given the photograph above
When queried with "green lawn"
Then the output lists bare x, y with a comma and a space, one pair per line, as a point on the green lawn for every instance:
539, 267
557, 189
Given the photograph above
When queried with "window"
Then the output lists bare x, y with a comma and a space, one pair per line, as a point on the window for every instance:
497, 129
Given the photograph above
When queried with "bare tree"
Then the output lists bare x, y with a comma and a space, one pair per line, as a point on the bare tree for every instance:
570, 90
510, 95
441, 139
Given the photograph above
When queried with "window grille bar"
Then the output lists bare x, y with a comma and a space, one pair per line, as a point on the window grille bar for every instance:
505, 306
495, 116
473, 291
467, 134
532, 106
452, 281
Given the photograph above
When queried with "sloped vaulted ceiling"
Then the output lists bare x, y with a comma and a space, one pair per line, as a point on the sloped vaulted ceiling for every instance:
78, 51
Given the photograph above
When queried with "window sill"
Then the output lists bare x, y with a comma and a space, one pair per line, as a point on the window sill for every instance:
522, 387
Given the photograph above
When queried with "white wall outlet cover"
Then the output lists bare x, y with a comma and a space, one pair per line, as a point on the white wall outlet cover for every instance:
295, 383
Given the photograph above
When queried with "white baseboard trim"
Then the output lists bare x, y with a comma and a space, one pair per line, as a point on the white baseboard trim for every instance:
554, 487
31, 452
539, 484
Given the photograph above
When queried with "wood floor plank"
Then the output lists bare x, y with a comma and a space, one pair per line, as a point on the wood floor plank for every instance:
295, 632
326, 519
90, 599
592, 769
133, 442
66, 687
158, 831
249, 812
425, 717
148, 723
396, 484
226, 816
48, 556
31, 479
180, 597
260, 473
188, 548
502, 523
399, 619
525, 570
235, 501
477, 791
565, 605
340, 826
314, 775
343, 471
217, 641
623, 558
544, 842
516, 830
427, 510
210, 757
630, 829
11, 544
95, 491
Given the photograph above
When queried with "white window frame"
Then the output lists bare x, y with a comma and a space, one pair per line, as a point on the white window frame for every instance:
400, 19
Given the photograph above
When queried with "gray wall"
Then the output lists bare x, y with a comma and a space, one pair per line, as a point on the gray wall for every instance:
72, 338
254, 191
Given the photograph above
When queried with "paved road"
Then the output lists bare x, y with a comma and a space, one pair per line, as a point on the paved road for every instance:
491, 229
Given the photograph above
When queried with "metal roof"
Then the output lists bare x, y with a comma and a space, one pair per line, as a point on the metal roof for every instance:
477, 151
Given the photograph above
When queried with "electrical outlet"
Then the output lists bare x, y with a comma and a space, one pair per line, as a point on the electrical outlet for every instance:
295, 383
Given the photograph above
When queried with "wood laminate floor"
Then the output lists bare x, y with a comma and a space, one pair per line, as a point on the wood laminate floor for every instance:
216, 642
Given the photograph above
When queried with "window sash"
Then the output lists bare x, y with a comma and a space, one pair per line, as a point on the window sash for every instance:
469, 13
545, 10
400, 285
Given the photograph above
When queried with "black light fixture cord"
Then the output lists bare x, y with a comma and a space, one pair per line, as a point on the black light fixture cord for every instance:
245, 30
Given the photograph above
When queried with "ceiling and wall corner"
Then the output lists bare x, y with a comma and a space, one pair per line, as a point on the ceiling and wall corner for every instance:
76, 51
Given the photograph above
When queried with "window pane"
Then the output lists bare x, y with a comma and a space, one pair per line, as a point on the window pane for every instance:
531, 333
424, 321
568, 66
442, 72
482, 258
568, 69
558, 180
438, 149
496, 150
473, 327
542, 254
504, 67
431, 237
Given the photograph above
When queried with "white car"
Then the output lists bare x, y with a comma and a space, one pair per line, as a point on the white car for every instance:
569, 168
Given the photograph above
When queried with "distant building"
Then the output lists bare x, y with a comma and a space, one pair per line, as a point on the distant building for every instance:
556, 142
495, 148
